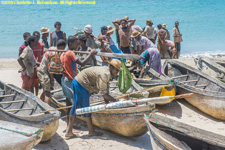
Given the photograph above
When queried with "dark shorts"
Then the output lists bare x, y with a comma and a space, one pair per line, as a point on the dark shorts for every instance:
125, 50
177, 45
58, 78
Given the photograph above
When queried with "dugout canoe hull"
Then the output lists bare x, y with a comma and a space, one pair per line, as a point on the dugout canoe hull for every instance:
30, 117
209, 93
18, 137
127, 122
161, 140
209, 67
186, 123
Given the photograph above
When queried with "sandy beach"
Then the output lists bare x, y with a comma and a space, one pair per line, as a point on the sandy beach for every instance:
9, 74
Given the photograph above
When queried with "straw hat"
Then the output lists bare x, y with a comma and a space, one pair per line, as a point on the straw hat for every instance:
116, 63
126, 17
135, 34
110, 29
164, 26
44, 30
88, 29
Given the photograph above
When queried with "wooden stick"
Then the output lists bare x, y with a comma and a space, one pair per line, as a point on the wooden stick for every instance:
180, 76
57, 90
57, 109
201, 85
189, 81
2, 90
16, 101
19, 109
2, 96
115, 55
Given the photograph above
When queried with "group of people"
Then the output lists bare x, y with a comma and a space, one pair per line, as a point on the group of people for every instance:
78, 74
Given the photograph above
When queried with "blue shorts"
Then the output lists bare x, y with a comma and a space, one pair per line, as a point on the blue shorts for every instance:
67, 89
80, 98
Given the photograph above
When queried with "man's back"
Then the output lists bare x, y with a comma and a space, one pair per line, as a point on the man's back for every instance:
162, 34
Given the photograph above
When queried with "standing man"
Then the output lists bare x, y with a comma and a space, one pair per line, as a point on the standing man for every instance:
44, 37
161, 46
91, 80
103, 32
124, 33
92, 41
27, 61
167, 38
38, 54
149, 30
57, 34
25, 44
177, 36
69, 62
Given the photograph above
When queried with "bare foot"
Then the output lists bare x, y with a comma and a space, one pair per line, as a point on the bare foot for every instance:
70, 136
95, 134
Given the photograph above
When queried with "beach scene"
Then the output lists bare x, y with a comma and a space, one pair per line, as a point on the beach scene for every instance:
101, 74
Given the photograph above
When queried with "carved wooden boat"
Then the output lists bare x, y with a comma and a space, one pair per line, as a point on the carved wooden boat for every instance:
220, 61
161, 140
209, 93
22, 107
18, 137
189, 125
210, 67
125, 121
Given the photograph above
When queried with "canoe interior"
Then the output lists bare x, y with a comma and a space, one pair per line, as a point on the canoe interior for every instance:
192, 77
193, 143
26, 106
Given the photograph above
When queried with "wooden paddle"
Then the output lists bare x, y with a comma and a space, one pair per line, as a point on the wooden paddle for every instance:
115, 55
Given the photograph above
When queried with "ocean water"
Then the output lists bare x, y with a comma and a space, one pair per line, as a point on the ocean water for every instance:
202, 22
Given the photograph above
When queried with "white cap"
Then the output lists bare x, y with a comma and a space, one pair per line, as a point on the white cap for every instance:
88, 29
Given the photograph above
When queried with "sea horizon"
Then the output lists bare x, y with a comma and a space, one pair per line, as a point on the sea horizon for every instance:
200, 21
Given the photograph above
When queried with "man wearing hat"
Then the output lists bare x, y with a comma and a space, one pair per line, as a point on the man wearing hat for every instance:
149, 30
142, 43
92, 61
161, 46
44, 37
92, 41
91, 80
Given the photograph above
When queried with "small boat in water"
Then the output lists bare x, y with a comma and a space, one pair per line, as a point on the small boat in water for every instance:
210, 67
18, 137
22, 107
209, 93
179, 125
124, 121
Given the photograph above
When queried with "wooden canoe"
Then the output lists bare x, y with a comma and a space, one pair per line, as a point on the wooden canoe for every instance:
22, 107
210, 67
209, 93
189, 125
219, 61
125, 121
18, 137
161, 140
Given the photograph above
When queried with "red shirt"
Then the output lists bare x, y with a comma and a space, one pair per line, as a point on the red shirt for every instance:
38, 51
69, 64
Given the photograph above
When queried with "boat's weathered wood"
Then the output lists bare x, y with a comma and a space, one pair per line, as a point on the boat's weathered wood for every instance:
9, 95
18, 137
2, 90
189, 81
20, 109
180, 76
9, 102
28, 113
208, 98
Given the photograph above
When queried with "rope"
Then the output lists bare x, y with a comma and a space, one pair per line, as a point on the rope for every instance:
20, 132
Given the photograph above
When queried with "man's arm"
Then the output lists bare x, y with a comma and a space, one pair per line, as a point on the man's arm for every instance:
51, 39
20, 61
64, 36
20, 51
115, 23
142, 72
85, 61
132, 21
